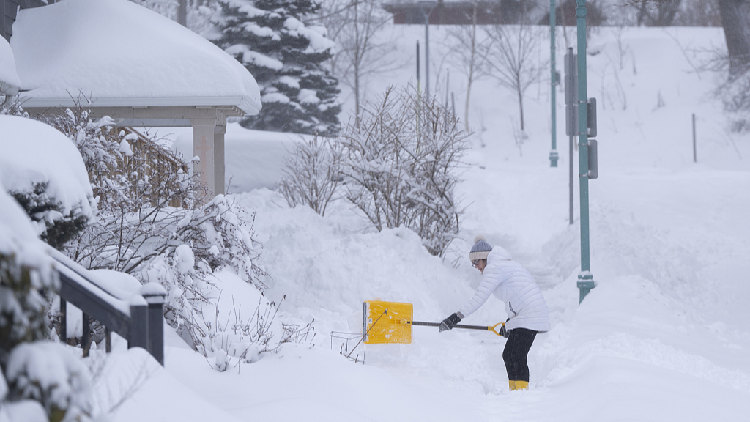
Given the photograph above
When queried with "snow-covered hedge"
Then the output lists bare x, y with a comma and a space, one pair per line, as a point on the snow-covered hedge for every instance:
214, 286
44, 172
40, 381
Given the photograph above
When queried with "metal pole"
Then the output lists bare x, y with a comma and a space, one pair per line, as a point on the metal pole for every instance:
695, 145
553, 157
585, 278
427, 54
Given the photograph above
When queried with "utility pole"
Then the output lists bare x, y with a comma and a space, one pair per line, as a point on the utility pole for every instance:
555, 79
585, 278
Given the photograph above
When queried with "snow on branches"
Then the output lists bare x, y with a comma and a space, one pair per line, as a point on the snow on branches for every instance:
397, 163
286, 57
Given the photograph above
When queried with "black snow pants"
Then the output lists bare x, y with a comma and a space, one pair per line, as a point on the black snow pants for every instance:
516, 351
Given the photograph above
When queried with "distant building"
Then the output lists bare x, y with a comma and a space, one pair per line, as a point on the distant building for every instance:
446, 12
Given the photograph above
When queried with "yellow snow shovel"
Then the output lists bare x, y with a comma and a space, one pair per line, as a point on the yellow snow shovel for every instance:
391, 322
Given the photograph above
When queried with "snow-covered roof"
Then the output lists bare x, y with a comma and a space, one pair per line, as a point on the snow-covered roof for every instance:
9, 81
123, 54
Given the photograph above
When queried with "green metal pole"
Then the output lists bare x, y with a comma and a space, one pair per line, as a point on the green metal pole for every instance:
553, 156
585, 278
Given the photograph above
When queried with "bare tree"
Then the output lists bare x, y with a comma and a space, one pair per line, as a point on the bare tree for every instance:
513, 58
363, 49
469, 55
657, 13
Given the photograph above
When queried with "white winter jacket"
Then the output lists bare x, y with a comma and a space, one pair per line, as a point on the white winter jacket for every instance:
511, 283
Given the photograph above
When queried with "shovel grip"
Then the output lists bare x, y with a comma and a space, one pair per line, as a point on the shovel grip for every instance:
437, 324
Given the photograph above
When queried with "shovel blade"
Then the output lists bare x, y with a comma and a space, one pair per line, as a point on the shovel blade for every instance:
387, 322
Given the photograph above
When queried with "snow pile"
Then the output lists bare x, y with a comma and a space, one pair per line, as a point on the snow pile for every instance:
49, 373
118, 49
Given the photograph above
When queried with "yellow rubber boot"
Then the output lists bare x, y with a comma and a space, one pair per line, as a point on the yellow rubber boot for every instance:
512, 385
522, 385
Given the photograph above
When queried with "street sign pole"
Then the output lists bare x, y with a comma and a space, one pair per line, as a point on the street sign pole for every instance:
585, 278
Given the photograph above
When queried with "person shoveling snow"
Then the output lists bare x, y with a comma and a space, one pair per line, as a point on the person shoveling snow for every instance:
527, 311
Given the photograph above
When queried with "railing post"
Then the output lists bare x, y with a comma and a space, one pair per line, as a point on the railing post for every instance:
86, 338
63, 321
107, 340
154, 295
138, 323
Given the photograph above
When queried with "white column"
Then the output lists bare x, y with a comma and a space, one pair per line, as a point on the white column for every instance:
219, 168
204, 148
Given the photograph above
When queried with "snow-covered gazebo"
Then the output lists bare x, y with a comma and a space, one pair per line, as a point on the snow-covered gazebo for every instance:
137, 67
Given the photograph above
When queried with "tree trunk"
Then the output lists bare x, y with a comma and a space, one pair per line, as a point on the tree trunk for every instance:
735, 18
471, 68
182, 12
520, 106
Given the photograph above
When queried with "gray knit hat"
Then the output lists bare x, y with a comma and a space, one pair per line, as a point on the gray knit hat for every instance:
481, 248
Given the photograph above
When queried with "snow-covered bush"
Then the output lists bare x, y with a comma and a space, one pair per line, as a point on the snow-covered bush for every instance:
222, 332
40, 381
97, 142
216, 236
58, 227
44, 172
400, 166
49, 374
214, 294
312, 174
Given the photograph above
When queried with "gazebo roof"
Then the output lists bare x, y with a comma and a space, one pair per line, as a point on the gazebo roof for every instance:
9, 80
121, 54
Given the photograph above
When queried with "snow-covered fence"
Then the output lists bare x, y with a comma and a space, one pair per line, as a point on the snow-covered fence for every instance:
139, 318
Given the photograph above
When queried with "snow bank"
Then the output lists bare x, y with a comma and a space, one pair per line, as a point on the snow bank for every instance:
118, 49
33, 152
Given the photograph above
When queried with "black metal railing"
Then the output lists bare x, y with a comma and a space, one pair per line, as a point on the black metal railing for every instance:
139, 319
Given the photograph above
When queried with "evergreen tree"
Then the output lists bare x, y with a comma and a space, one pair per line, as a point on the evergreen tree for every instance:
286, 58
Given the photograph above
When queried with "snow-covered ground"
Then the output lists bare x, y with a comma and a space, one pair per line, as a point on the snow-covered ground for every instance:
665, 335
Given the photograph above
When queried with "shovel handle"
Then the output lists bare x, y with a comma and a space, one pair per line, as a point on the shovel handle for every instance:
492, 328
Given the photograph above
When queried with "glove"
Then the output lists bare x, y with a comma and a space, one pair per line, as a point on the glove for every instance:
503, 332
449, 322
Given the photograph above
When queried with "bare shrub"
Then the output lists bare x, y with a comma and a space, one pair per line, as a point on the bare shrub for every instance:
233, 339
401, 173
312, 174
